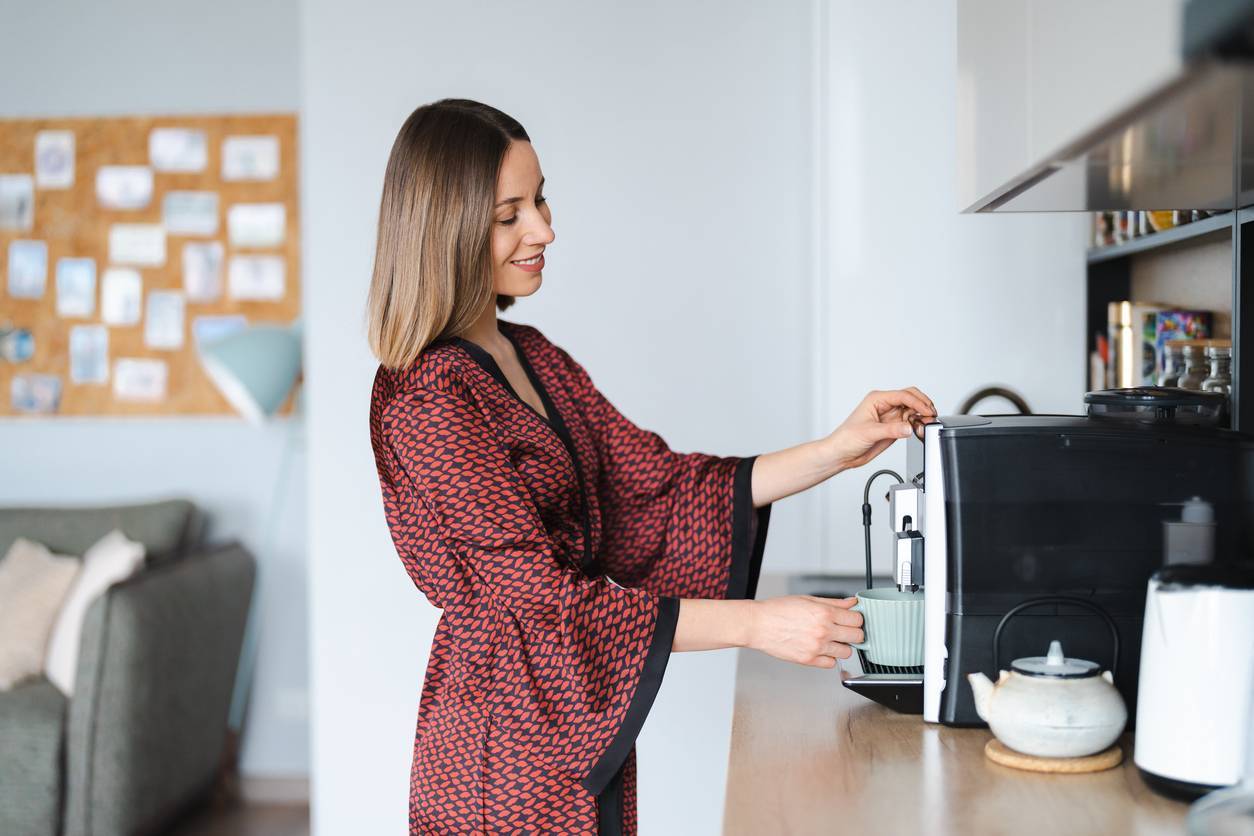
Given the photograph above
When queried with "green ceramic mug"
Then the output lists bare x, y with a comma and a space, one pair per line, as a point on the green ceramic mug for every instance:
892, 622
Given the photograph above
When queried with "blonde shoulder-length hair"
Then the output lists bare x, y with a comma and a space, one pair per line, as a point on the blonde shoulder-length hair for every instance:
433, 266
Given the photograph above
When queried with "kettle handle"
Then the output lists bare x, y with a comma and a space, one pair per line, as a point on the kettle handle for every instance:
1057, 599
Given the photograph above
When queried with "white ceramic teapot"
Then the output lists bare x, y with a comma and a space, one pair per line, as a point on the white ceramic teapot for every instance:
1051, 706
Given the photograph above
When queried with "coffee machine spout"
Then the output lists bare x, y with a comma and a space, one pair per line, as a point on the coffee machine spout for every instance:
904, 500
908, 560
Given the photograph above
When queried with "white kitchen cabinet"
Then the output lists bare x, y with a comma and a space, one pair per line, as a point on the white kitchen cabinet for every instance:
1035, 75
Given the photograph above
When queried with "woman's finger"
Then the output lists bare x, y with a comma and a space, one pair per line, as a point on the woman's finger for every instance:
907, 398
847, 635
917, 391
847, 618
888, 430
837, 650
841, 604
897, 413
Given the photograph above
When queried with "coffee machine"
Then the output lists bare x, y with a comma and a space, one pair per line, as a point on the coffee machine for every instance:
1025, 529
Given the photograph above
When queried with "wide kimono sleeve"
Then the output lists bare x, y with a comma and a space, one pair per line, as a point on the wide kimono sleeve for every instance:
679, 524
592, 653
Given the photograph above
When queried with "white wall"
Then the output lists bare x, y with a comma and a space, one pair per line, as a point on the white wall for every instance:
147, 57
917, 294
778, 286
675, 139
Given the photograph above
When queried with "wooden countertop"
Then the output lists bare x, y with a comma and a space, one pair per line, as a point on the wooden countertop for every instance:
809, 756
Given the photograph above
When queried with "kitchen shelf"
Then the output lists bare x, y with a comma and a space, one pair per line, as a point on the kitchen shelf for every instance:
1166, 238
1109, 278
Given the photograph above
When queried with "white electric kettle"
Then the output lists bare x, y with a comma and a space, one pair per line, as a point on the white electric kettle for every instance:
1197, 661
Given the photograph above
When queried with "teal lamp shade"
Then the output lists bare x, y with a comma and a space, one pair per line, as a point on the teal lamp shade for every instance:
255, 367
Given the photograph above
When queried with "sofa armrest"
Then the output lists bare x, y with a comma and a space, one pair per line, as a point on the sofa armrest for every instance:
147, 721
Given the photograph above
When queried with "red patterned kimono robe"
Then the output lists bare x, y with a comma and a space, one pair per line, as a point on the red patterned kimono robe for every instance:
558, 551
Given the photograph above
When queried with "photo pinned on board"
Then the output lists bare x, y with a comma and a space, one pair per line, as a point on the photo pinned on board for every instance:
190, 213
250, 158
178, 149
140, 379
17, 202
89, 354
202, 271
76, 287
140, 245
35, 393
256, 224
54, 159
28, 269
256, 277
210, 327
121, 296
17, 345
124, 187
163, 322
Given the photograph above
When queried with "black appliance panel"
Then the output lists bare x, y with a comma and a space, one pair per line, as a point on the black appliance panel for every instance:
1038, 507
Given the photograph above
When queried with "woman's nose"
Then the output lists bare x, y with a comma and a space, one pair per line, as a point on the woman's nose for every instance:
541, 232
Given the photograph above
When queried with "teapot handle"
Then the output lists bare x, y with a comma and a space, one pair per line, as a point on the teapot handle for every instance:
1057, 599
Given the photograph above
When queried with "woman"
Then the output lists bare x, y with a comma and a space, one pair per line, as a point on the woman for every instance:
569, 550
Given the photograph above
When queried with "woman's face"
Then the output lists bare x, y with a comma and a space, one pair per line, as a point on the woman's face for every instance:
520, 223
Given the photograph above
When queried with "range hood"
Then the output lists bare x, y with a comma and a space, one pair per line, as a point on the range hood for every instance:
1186, 144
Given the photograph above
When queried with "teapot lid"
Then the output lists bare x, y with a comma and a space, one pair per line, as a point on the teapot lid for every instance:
1055, 665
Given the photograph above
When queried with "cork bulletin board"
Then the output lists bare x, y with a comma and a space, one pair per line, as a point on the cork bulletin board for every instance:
125, 241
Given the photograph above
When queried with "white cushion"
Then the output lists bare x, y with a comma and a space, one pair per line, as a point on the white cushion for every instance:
33, 584
110, 559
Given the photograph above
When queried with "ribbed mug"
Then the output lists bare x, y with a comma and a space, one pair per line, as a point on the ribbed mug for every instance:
892, 621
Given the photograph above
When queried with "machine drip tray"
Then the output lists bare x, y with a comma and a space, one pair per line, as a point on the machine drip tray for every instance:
902, 692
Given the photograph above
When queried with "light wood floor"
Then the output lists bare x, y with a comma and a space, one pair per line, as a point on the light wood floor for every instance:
247, 820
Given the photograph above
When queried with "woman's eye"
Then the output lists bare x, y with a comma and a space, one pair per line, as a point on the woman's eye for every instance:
508, 221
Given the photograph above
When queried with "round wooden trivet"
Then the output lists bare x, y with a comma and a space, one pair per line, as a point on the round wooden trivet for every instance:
998, 752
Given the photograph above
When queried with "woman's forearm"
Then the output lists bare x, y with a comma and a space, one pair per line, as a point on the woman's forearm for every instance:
795, 628
712, 624
879, 420
786, 472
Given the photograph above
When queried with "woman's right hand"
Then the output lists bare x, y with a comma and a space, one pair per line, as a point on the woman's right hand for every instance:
805, 629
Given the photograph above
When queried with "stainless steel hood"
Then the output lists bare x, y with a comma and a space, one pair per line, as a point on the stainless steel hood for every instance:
1187, 144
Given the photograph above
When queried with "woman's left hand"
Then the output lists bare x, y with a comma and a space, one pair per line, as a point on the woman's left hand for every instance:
881, 419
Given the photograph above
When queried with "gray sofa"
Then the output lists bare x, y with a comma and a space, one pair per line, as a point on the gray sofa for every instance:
144, 732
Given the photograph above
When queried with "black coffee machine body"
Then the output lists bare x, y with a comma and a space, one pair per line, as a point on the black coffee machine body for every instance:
1045, 527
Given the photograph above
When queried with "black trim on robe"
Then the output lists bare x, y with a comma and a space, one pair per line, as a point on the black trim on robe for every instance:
748, 534
655, 660
589, 564
610, 806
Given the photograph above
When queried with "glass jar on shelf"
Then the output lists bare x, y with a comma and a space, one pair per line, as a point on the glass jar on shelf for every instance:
1196, 368
1220, 377
1173, 364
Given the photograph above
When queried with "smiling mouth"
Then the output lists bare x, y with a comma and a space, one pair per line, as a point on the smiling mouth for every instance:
535, 259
